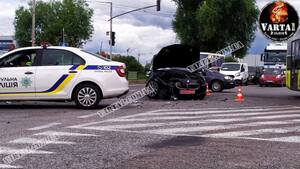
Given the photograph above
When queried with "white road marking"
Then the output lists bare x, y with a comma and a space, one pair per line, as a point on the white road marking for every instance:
182, 122
182, 129
84, 126
208, 111
290, 139
38, 141
221, 112
44, 126
9, 166
8, 150
55, 133
184, 110
209, 128
254, 132
214, 117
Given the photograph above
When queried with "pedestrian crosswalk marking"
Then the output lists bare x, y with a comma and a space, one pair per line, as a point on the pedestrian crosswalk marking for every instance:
38, 141
44, 126
214, 117
243, 123
291, 139
9, 166
55, 133
184, 110
8, 150
255, 132
220, 112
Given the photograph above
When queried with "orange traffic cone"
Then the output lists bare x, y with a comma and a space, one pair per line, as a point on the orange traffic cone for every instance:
207, 90
239, 96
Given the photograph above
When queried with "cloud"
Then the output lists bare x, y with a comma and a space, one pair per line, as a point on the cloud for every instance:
7, 13
144, 32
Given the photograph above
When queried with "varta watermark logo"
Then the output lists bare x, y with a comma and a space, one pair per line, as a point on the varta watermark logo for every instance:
9, 82
278, 29
278, 21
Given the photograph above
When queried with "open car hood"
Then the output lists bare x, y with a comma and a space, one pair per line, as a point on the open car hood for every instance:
179, 56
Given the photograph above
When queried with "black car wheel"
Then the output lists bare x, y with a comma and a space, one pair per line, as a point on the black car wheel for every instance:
216, 86
155, 92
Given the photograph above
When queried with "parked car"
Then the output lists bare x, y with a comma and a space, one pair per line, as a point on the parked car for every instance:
254, 74
272, 76
217, 82
170, 77
238, 71
60, 73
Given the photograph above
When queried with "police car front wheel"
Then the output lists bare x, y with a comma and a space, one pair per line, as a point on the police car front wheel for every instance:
87, 96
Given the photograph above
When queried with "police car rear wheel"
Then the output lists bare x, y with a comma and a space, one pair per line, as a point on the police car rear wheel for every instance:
87, 96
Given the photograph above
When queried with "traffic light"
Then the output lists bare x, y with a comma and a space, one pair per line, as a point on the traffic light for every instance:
113, 38
157, 5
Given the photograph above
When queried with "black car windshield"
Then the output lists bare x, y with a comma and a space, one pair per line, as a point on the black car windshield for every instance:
270, 71
230, 67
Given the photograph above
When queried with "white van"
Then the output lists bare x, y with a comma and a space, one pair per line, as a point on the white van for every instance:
239, 71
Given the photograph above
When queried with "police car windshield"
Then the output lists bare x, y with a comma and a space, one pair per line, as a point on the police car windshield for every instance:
98, 56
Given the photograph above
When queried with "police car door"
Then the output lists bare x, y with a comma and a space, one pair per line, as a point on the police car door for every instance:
17, 75
57, 73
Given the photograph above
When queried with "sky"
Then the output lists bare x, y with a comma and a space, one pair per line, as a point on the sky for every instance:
141, 34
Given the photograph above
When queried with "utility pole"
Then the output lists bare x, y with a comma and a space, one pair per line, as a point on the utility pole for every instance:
110, 31
33, 24
111, 26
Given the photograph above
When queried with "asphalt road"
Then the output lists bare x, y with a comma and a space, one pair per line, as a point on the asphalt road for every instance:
217, 132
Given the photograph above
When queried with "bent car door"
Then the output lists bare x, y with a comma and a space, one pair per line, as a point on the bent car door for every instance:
17, 75
57, 73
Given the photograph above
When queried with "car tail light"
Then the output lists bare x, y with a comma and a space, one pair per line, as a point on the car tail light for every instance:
262, 76
121, 71
278, 76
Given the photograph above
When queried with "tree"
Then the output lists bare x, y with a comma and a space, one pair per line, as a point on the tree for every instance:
230, 59
215, 24
72, 16
131, 63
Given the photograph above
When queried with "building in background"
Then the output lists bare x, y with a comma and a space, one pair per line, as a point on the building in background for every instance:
252, 60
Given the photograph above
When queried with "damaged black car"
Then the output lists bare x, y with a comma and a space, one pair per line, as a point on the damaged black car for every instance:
170, 78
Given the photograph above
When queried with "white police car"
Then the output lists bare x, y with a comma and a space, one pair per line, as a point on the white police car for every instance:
60, 73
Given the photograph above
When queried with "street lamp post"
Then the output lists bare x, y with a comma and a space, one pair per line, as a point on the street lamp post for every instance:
111, 18
110, 31
111, 27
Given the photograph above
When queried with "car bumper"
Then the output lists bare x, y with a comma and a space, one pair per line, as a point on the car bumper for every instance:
229, 85
273, 81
